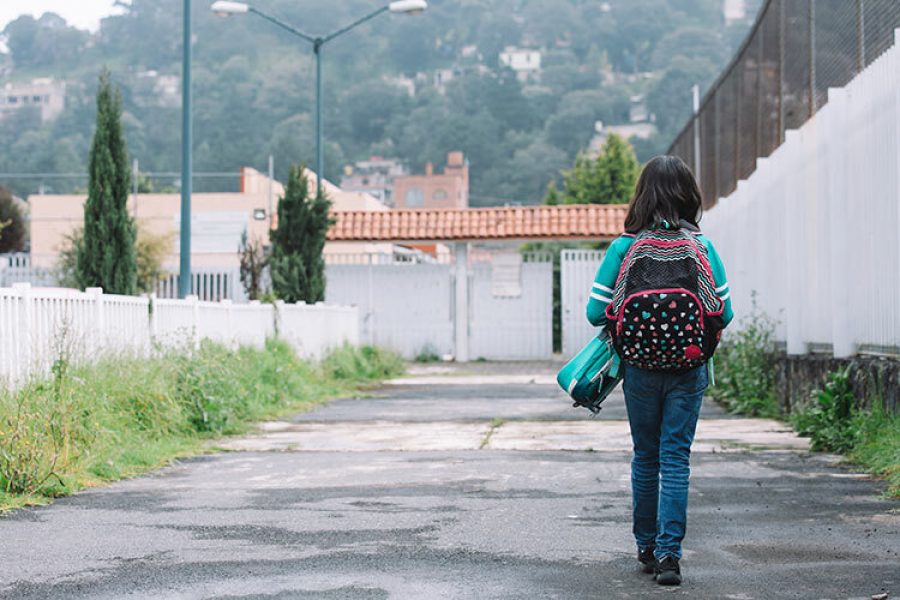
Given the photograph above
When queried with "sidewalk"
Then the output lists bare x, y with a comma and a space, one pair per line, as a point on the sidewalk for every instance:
480, 483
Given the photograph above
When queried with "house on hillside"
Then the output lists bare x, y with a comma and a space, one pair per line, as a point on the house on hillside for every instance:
642, 131
46, 94
525, 62
374, 176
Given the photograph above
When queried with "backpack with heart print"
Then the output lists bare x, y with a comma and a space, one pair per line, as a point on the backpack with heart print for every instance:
665, 314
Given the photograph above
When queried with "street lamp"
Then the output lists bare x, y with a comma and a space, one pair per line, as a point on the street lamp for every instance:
187, 173
228, 8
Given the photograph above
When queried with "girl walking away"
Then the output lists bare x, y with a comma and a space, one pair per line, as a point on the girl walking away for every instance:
662, 295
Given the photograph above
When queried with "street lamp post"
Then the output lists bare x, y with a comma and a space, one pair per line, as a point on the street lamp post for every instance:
409, 7
184, 279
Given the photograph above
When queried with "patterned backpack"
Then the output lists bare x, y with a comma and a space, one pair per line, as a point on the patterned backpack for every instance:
665, 314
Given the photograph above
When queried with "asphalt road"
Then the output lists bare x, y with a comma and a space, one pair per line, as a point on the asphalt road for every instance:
486, 486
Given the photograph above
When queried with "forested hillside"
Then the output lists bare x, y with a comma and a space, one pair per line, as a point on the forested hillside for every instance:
253, 85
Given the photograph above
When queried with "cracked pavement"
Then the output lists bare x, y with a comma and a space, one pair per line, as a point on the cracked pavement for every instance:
472, 482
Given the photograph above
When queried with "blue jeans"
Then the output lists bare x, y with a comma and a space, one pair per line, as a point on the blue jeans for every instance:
662, 411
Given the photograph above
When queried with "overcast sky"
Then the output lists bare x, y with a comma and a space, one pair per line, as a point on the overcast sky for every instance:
84, 14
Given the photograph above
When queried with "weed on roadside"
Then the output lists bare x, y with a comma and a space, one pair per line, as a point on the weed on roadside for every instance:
834, 423
745, 367
124, 415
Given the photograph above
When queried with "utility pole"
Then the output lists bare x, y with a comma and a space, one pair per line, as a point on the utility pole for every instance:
271, 206
695, 92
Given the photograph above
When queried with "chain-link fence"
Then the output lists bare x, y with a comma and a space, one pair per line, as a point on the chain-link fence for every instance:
779, 78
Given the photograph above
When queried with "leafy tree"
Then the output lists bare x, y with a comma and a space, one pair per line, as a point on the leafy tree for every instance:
66, 267
670, 97
690, 42
253, 93
43, 42
12, 223
552, 196
370, 106
610, 179
617, 171
151, 250
254, 261
297, 266
107, 257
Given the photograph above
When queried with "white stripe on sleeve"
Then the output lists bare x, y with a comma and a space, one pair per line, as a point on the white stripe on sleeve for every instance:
602, 288
601, 298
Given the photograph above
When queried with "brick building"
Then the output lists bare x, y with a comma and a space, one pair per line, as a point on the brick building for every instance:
449, 189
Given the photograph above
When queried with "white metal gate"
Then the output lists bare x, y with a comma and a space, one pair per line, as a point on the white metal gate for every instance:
512, 328
410, 307
577, 271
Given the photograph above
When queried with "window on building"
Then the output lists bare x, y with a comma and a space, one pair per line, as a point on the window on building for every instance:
12, 100
36, 99
439, 195
414, 198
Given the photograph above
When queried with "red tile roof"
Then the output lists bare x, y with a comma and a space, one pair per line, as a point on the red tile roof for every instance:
571, 221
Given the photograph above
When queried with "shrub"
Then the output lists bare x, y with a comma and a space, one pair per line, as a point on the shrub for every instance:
745, 367
834, 422
428, 354
831, 420
878, 446
366, 363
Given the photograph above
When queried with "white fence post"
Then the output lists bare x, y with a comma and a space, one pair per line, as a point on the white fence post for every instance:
461, 316
98, 318
195, 321
840, 264
154, 318
24, 330
229, 329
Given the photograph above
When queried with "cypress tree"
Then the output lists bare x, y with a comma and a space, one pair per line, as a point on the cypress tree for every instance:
107, 256
296, 264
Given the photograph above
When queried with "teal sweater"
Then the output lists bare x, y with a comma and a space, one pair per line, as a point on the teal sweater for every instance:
605, 281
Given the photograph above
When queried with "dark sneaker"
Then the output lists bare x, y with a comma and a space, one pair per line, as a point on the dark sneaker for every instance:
668, 572
647, 560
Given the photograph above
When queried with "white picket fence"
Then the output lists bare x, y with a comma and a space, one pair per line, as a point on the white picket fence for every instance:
39, 325
16, 267
209, 284
813, 233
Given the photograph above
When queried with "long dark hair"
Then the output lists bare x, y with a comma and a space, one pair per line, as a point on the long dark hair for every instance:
666, 192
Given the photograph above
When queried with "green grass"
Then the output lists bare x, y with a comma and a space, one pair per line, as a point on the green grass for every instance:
878, 448
869, 437
123, 416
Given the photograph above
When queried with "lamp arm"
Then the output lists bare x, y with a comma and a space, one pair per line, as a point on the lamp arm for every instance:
355, 24
282, 24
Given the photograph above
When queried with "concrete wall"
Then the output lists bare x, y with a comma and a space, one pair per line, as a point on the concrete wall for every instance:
874, 379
